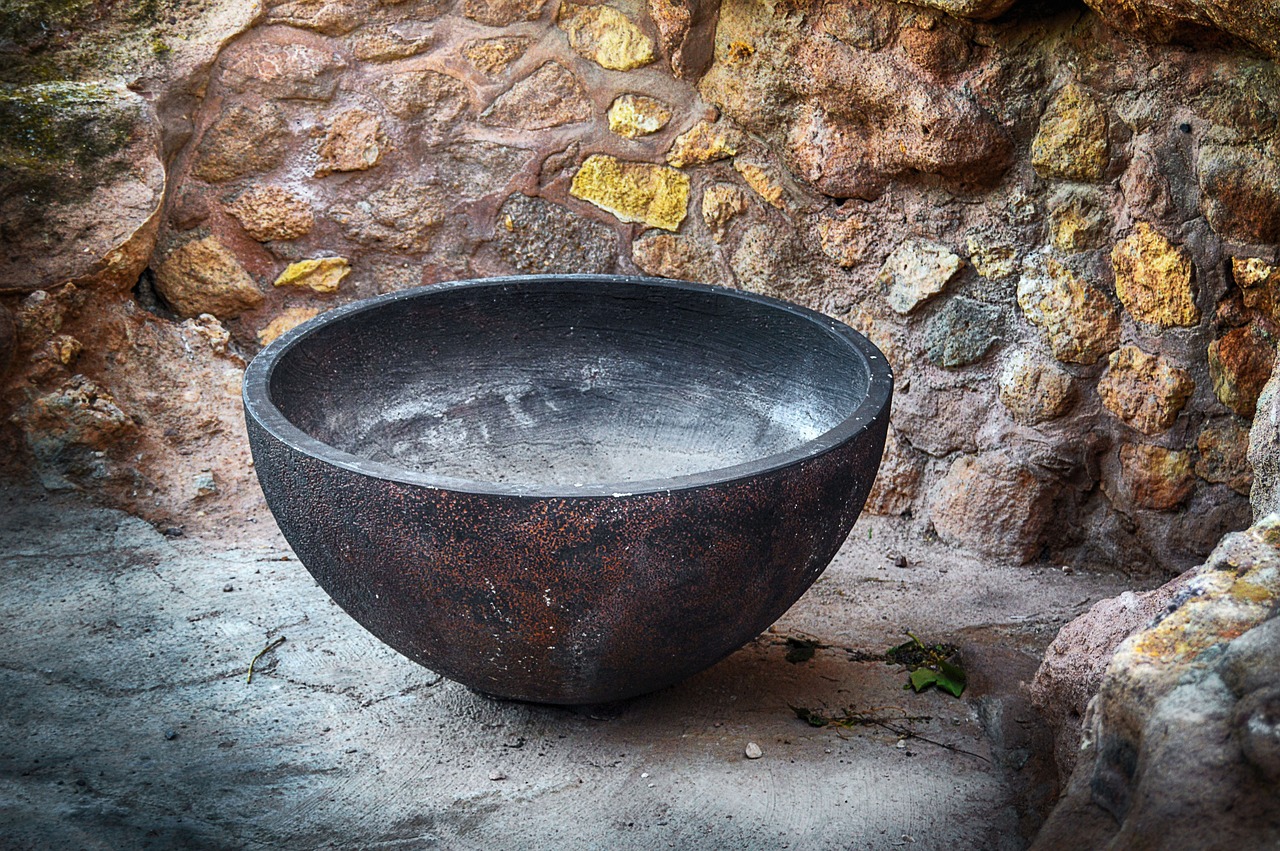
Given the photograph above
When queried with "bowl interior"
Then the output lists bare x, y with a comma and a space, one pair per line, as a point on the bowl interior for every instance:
569, 382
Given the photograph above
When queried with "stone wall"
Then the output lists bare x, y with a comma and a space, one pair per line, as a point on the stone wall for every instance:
1064, 238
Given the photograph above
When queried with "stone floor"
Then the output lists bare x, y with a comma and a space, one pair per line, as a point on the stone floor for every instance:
127, 721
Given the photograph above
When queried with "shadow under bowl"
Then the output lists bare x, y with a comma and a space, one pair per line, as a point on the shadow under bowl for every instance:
567, 489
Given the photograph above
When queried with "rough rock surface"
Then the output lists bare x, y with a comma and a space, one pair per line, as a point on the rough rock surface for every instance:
81, 185
202, 276
988, 493
1264, 449
1080, 322
916, 271
1178, 748
1144, 390
1153, 279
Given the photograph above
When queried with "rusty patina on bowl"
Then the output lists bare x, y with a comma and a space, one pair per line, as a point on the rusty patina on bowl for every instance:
567, 489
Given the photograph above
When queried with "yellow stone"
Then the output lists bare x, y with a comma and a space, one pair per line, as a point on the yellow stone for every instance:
1252, 271
705, 142
634, 116
653, 195
321, 275
605, 36
721, 204
1259, 283
286, 321
765, 184
1153, 278
1072, 140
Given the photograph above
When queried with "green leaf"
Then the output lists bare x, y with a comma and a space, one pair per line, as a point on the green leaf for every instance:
922, 678
955, 689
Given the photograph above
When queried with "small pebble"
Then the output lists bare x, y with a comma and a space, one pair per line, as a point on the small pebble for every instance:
170, 735
902, 744
1068, 569
899, 560
228, 587
753, 751
497, 775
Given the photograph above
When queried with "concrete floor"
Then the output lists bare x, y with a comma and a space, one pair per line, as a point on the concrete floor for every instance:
126, 720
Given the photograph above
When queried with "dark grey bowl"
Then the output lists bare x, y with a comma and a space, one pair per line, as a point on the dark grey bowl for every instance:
568, 489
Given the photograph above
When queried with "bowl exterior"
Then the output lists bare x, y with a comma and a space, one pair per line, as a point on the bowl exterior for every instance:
567, 599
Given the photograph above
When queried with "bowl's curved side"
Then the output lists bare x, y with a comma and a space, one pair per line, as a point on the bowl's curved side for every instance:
567, 600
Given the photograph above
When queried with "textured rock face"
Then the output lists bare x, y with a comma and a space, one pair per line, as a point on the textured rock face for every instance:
1004, 197
1144, 390
992, 504
1178, 748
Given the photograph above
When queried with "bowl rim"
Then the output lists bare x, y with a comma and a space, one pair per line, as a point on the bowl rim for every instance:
259, 406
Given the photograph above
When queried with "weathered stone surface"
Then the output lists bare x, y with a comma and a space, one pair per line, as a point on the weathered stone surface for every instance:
1239, 364
549, 97
634, 116
1144, 391
1153, 278
285, 321
991, 256
501, 13
1071, 143
352, 142
1080, 322
437, 97
536, 237
1076, 661
8, 339
1251, 272
652, 195
962, 332
81, 183
1168, 757
202, 276
400, 215
993, 505
763, 181
1264, 449
1253, 21
898, 479
721, 204
1259, 283
242, 140
289, 71
68, 429
703, 143
321, 275
1154, 477
916, 271
268, 212
1240, 191
605, 36
978, 9
323, 16
686, 33
388, 44
1035, 390
869, 118
492, 56
1224, 455
669, 256
1078, 220
471, 169
847, 241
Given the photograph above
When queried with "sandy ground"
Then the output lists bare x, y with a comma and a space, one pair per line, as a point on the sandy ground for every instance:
126, 720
